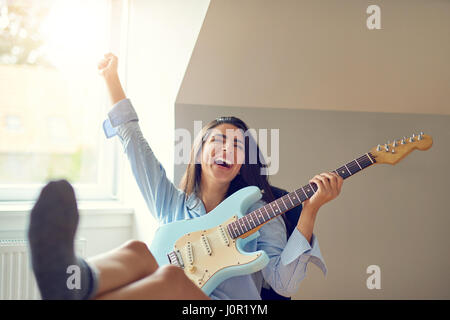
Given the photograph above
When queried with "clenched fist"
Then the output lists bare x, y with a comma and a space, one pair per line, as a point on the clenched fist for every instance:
107, 67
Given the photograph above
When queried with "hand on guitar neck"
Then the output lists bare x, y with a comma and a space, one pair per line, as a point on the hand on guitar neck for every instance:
329, 187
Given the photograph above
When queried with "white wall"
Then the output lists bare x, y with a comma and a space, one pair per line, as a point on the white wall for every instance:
161, 38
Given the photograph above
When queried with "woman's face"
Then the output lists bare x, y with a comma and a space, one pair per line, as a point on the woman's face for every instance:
223, 153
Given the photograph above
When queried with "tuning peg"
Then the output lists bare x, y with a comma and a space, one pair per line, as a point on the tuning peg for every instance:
378, 148
420, 136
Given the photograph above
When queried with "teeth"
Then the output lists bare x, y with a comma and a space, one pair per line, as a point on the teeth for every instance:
223, 161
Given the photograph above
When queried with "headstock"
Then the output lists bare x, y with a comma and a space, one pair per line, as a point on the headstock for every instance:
393, 152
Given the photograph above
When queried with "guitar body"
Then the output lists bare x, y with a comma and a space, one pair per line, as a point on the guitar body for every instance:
205, 249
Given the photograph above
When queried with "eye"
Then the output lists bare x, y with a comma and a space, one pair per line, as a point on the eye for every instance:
217, 139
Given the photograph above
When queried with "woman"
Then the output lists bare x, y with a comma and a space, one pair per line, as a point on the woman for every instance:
207, 182
219, 166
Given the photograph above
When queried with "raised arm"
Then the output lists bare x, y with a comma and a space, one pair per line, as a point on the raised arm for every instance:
163, 199
108, 69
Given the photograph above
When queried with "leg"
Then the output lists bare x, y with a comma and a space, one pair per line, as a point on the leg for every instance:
130, 272
51, 232
166, 283
53, 224
124, 265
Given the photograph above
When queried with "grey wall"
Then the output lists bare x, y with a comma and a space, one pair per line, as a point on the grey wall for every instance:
335, 89
395, 217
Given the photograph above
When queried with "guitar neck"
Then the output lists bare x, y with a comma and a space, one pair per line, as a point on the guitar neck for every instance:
255, 219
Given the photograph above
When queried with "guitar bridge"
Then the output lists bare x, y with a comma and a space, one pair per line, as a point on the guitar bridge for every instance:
175, 259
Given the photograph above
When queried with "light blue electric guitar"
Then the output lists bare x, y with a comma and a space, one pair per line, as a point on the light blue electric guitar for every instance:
210, 248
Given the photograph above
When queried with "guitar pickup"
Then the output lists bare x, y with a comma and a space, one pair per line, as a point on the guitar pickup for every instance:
205, 243
190, 253
224, 236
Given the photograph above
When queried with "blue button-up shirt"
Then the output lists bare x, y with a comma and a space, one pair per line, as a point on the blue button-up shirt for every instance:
288, 258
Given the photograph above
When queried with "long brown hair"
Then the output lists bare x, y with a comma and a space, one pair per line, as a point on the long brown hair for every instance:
250, 173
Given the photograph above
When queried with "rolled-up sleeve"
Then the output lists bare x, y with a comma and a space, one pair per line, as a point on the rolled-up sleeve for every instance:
160, 194
288, 259
122, 112
299, 247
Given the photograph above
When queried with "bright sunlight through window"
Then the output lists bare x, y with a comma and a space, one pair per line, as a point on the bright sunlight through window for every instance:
52, 100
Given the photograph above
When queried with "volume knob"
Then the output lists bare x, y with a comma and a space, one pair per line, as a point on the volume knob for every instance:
191, 268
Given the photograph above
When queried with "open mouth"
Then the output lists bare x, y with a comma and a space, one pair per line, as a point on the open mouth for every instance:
223, 163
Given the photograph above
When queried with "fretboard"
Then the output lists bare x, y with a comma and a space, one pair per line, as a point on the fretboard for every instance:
291, 200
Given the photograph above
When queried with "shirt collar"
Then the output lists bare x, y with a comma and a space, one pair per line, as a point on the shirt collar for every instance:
196, 204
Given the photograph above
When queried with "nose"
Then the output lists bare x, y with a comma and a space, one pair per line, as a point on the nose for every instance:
229, 153
227, 146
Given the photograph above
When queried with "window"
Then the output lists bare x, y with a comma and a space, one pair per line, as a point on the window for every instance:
52, 100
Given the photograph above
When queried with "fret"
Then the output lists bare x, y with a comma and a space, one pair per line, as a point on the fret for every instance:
346, 173
262, 214
295, 198
354, 168
236, 230
257, 217
299, 197
284, 203
337, 172
242, 230
253, 219
249, 227
308, 191
268, 215
293, 205
271, 213
358, 164
231, 231
312, 186
251, 216
365, 161
370, 158
303, 190
303, 195
347, 169
362, 162
307, 195
279, 209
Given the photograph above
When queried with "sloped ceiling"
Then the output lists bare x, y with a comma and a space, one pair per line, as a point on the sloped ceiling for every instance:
321, 55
